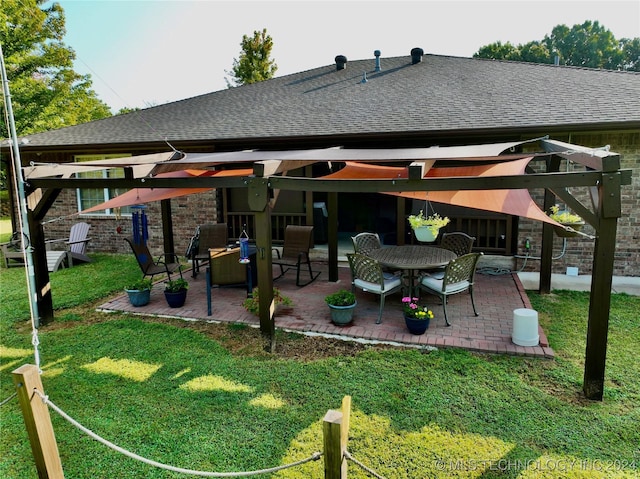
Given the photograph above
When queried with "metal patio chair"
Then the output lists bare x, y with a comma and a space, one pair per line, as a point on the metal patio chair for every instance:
165, 264
458, 277
367, 274
295, 252
214, 235
458, 242
365, 242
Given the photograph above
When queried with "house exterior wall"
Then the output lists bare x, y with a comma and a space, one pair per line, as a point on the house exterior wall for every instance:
579, 251
186, 212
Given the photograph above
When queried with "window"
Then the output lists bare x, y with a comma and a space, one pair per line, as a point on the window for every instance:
88, 197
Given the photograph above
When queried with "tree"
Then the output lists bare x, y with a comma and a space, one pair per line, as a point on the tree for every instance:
254, 64
46, 93
587, 45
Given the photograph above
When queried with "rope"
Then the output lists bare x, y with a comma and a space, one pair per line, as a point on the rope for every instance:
45, 399
8, 399
349, 457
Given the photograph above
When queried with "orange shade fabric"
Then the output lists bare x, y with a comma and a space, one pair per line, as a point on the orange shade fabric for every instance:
511, 202
139, 196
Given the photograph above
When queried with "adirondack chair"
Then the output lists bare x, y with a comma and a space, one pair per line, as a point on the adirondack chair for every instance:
75, 245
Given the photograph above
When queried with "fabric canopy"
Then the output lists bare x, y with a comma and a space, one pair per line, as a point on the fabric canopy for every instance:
511, 202
139, 196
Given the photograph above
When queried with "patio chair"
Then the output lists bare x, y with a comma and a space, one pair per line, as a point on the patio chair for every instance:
75, 245
458, 242
13, 250
458, 277
367, 274
365, 242
150, 267
214, 235
295, 252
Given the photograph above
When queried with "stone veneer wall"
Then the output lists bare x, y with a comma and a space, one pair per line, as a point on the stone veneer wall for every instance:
579, 250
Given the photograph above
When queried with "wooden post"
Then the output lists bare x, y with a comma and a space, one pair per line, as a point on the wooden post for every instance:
38, 422
336, 434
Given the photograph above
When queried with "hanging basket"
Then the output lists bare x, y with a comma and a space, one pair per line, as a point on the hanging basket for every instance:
426, 234
563, 233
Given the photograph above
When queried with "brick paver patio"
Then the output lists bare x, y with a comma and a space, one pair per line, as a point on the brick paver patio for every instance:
496, 298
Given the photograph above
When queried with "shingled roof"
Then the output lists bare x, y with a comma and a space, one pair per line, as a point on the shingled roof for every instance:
438, 95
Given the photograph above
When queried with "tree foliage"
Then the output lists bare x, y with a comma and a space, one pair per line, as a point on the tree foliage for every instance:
587, 45
254, 64
46, 93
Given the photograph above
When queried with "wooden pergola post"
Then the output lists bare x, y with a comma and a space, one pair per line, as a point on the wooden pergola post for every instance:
258, 191
38, 422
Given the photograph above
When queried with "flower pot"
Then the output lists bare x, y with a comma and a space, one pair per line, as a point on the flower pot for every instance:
425, 233
342, 315
139, 297
176, 299
562, 233
416, 326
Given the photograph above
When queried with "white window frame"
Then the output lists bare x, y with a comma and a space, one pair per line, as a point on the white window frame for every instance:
108, 193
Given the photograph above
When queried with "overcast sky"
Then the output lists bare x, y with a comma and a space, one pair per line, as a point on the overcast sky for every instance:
148, 52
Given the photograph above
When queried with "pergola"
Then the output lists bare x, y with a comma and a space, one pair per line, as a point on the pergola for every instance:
412, 174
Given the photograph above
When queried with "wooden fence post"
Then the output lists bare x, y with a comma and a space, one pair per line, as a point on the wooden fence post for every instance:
38, 422
336, 433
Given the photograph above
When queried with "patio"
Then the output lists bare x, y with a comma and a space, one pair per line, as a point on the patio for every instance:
496, 298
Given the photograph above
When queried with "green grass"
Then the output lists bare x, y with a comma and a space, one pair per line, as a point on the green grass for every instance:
208, 397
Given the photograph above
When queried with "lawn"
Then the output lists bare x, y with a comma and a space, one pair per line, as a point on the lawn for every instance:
208, 397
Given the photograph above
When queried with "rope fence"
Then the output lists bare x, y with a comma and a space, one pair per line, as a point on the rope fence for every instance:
44, 447
373, 473
8, 399
45, 399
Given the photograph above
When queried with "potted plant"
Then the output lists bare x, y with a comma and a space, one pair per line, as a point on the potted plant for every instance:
341, 305
252, 304
175, 292
426, 228
416, 317
566, 219
139, 291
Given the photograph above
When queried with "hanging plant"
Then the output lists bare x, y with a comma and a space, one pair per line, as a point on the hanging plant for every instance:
426, 228
572, 221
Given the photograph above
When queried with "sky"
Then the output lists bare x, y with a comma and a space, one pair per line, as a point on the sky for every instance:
141, 53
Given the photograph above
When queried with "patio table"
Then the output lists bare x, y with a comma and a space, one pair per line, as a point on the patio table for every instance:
412, 258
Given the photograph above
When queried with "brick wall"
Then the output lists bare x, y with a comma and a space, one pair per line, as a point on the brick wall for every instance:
579, 251
186, 213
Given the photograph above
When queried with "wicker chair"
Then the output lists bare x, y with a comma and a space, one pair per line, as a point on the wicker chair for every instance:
209, 236
458, 277
367, 274
166, 264
295, 252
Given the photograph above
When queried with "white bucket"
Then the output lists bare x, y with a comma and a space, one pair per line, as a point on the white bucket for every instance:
525, 327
